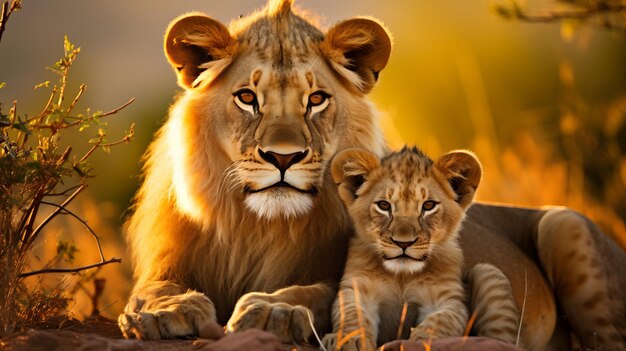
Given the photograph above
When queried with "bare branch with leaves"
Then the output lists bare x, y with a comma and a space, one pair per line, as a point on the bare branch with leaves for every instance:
38, 170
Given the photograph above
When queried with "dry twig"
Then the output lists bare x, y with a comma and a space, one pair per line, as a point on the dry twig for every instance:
6, 13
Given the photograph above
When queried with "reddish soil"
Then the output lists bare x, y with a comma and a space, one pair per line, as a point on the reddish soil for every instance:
62, 334
94, 334
103, 334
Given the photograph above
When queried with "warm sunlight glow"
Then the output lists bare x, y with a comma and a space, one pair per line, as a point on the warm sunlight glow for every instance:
181, 187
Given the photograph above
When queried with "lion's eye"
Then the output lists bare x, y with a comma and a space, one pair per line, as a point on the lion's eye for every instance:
246, 96
317, 98
246, 100
429, 205
318, 101
383, 206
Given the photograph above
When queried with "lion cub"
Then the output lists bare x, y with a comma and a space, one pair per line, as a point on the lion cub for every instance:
407, 211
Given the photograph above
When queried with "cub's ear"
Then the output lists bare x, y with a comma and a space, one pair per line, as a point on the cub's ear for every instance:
358, 49
349, 169
463, 172
198, 47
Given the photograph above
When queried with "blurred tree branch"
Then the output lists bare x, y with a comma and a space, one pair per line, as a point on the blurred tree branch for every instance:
609, 14
589, 135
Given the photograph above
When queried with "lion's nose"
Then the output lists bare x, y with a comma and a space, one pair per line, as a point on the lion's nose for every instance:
282, 161
403, 244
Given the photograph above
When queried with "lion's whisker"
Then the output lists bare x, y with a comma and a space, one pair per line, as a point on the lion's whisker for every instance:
229, 179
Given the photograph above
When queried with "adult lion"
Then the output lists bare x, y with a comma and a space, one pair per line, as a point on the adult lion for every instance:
238, 221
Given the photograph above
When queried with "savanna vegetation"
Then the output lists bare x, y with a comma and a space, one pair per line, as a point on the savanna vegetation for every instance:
40, 175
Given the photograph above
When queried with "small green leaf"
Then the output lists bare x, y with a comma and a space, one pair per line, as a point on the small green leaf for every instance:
3, 84
21, 126
67, 45
44, 84
83, 127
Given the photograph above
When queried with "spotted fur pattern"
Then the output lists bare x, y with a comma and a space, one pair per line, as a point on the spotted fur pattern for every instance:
494, 311
587, 291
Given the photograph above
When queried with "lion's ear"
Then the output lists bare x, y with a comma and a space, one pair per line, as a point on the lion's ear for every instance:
349, 169
463, 172
198, 47
358, 49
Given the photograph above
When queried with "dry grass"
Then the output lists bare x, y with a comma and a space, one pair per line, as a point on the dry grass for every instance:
521, 316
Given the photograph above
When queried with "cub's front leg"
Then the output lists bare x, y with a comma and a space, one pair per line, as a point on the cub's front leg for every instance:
288, 313
349, 315
443, 313
165, 310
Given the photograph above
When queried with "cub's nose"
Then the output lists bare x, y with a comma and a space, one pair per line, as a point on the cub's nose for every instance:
282, 161
403, 244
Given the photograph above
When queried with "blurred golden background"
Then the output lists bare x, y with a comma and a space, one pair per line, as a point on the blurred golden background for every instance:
543, 105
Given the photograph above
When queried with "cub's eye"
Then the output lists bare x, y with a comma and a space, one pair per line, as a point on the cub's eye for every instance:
383, 206
246, 96
317, 98
429, 205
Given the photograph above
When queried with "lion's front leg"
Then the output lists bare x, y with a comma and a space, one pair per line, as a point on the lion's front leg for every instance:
288, 313
165, 310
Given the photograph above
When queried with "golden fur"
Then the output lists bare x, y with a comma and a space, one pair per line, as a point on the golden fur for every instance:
200, 242
208, 218
429, 279
404, 252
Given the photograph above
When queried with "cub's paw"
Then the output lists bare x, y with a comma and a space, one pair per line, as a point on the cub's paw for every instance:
166, 317
421, 333
290, 323
355, 345
331, 343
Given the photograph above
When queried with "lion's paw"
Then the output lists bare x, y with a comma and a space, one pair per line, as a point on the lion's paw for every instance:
289, 323
167, 317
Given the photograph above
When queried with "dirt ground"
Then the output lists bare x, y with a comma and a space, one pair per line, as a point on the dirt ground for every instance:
92, 335
100, 334
71, 334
